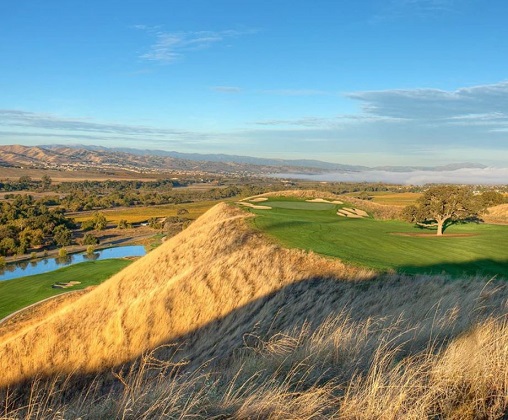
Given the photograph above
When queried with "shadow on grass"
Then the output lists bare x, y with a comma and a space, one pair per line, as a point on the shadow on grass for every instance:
480, 267
308, 302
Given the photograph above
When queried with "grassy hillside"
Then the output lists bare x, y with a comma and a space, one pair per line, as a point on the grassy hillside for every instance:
243, 328
21, 292
385, 244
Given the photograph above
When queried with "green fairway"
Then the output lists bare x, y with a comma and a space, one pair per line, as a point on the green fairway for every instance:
299, 205
377, 244
19, 293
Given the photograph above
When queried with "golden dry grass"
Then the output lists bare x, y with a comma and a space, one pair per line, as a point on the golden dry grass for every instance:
256, 331
212, 268
497, 214
395, 199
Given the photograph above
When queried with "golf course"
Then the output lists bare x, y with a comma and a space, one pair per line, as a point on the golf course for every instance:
24, 291
385, 245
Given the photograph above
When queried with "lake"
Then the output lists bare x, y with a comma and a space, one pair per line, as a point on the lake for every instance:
28, 268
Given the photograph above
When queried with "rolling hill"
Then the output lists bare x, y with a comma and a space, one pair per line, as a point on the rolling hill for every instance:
220, 321
86, 157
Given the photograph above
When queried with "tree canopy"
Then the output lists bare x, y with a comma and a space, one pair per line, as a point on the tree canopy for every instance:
443, 205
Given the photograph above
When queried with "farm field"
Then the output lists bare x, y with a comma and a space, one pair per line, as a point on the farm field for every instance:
22, 292
394, 199
141, 214
385, 245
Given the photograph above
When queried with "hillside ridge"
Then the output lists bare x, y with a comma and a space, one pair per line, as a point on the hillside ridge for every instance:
199, 275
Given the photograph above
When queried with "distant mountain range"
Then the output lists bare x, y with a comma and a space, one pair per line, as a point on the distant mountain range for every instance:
75, 157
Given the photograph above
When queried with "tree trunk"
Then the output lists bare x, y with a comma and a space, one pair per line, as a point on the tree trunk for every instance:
440, 227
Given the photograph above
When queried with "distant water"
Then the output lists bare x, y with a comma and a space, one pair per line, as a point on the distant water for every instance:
29, 268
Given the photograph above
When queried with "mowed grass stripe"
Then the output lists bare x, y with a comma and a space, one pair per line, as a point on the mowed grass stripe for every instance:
375, 243
24, 291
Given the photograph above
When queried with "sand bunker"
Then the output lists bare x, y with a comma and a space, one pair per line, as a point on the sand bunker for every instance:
352, 213
61, 285
356, 211
259, 199
322, 200
253, 206
348, 214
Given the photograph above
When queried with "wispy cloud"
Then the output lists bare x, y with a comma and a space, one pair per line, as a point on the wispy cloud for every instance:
226, 89
328, 122
171, 46
32, 124
399, 126
485, 103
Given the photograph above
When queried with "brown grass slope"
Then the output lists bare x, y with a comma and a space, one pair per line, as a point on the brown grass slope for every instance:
203, 274
267, 333
497, 214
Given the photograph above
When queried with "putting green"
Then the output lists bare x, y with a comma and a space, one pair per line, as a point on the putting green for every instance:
301, 205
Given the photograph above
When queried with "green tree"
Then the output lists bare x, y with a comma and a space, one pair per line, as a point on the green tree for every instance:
90, 239
122, 224
46, 181
8, 246
99, 221
37, 238
444, 205
492, 198
87, 225
62, 236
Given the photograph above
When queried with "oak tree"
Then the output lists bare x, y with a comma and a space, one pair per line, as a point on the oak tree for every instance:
443, 205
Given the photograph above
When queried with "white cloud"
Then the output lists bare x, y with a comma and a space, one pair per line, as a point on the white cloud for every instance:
171, 46
435, 104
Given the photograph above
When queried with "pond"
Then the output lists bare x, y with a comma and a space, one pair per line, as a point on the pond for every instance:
28, 268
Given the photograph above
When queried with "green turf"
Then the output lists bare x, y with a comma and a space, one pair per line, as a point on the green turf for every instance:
372, 243
300, 205
21, 292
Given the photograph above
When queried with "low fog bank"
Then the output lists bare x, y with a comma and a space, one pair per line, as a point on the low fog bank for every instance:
492, 176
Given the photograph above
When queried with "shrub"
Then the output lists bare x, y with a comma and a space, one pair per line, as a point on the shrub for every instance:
62, 253
90, 239
2, 262
87, 225
122, 224
62, 235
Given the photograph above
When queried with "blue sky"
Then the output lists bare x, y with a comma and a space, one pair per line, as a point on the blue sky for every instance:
385, 82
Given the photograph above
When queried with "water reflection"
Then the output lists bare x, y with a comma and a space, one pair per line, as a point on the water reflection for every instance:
27, 268
91, 257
